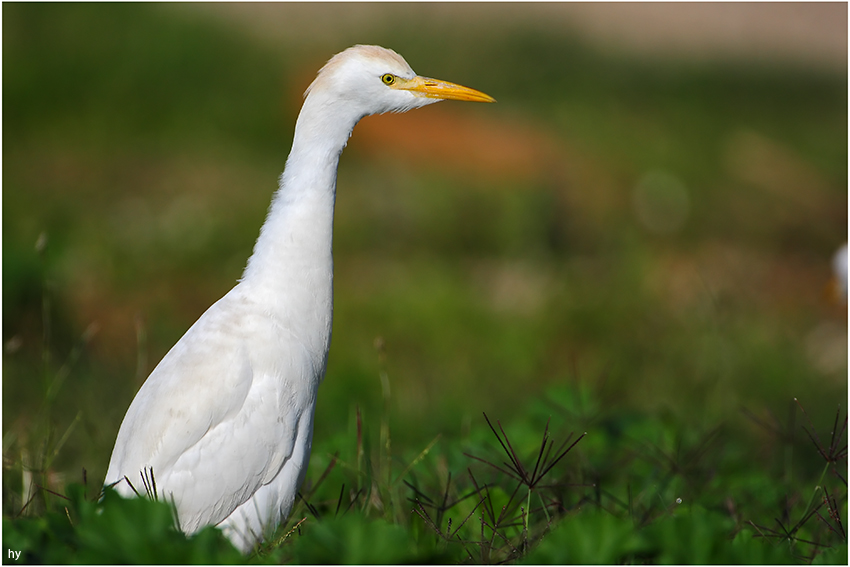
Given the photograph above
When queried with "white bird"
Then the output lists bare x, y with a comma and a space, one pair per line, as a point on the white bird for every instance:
839, 274
224, 423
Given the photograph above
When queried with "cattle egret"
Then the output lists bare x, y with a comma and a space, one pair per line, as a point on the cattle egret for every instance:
839, 273
224, 423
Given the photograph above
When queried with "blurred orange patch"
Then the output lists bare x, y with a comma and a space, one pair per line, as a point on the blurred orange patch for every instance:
462, 142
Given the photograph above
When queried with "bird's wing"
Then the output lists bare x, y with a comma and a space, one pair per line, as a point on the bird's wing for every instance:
219, 416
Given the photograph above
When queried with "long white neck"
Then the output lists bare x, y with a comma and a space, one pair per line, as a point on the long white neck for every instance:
291, 269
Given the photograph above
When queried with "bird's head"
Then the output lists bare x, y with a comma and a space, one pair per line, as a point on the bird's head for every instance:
375, 80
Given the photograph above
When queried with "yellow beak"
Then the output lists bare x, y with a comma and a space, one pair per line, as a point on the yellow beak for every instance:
441, 90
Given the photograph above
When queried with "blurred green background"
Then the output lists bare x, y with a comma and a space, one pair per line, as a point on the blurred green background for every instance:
650, 210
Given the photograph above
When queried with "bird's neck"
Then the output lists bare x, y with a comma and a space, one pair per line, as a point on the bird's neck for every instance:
292, 261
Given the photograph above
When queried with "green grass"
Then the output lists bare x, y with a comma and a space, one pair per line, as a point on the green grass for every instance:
142, 145
633, 489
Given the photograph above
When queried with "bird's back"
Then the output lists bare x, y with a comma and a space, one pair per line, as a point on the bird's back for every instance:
221, 415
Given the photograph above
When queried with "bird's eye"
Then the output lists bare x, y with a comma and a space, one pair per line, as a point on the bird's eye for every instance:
388, 79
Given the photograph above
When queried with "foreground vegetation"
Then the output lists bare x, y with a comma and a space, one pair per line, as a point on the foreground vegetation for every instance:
571, 331
632, 490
